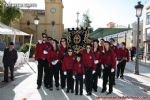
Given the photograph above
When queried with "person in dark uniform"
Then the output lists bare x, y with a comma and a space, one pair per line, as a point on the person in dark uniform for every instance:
62, 53
109, 63
9, 59
79, 74
97, 61
115, 49
90, 68
67, 66
54, 61
132, 51
122, 57
41, 55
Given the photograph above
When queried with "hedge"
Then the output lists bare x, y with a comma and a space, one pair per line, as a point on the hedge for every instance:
24, 48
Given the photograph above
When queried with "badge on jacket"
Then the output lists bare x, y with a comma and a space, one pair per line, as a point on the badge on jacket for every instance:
90, 57
45, 52
79, 65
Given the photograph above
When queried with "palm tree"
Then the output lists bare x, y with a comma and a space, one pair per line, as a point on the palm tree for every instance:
9, 14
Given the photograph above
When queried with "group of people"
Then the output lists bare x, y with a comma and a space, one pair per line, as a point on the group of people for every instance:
99, 59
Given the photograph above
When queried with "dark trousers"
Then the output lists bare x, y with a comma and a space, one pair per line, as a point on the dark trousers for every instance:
107, 75
11, 68
99, 70
70, 81
43, 65
120, 68
55, 71
79, 82
132, 55
88, 79
113, 75
96, 75
62, 78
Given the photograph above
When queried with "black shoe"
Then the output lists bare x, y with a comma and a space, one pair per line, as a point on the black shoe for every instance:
62, 87
121, 77
108, 93
95, 90
67, 91
103, 91
88, 94
12, 79
114, 83
76, 93
81, 93
5, 81
47, 86
51, 89
57, 88
72, 91
38, 87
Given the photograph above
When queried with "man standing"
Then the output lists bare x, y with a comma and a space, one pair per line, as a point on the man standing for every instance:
9, 60
122, 57
41, 55
114, 48
90, 68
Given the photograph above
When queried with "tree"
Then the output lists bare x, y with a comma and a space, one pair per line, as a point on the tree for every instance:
9, 14
86, 22
2, 5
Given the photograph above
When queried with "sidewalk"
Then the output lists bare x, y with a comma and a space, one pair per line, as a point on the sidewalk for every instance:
142, 80
145, 63
24, 86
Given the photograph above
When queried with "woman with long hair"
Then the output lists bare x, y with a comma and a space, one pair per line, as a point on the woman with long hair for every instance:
62, 53
67, 67
109, 63
54, 64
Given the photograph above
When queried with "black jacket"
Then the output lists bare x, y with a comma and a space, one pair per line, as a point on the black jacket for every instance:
9, 57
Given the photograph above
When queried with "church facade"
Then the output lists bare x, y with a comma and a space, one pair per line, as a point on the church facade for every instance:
50, 21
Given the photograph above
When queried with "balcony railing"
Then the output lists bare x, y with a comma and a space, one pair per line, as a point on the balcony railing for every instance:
147, 37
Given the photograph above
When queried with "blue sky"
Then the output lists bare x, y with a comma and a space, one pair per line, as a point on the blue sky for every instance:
101, 12
122, 12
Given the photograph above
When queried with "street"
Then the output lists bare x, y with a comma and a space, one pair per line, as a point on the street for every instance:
24, 87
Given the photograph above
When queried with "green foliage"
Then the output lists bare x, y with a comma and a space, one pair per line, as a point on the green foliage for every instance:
9, 15
2, 5
86, 22
24, 48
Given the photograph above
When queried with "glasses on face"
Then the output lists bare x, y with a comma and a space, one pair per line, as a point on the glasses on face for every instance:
70, 51
49, 39
44, 37
88, 47
62, 41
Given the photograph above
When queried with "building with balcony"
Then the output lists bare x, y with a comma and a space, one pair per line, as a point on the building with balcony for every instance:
134, 34
146, 27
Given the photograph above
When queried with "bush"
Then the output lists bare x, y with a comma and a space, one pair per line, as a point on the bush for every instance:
24, 48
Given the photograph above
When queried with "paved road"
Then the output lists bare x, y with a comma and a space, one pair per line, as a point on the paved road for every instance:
24, 86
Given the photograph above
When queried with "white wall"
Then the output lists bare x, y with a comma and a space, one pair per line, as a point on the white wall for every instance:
20, 59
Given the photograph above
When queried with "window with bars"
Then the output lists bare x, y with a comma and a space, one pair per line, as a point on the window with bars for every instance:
148, 18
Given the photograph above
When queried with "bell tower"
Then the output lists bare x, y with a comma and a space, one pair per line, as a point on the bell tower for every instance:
54, 18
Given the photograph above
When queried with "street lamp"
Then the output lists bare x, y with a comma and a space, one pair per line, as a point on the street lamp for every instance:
77, 19
138, 8
53, 29
36, 22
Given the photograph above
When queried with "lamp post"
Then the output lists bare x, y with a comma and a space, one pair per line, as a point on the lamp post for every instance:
138, 8
117, 40
125, 38
36, 22
53, 29
77, 19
